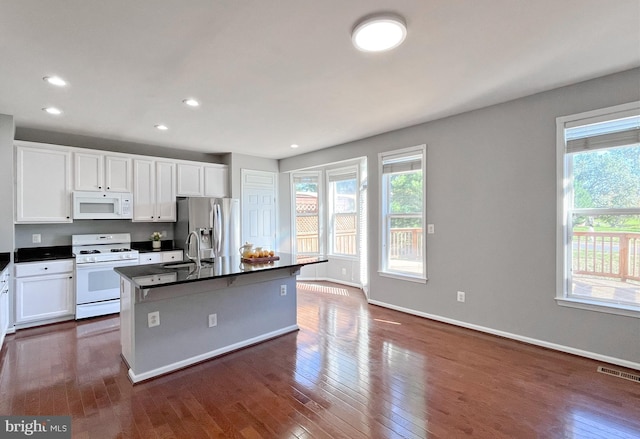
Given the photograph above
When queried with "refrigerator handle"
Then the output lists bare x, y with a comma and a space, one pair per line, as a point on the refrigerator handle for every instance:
217, 229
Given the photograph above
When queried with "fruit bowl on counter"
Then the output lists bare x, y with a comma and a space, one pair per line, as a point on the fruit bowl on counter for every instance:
257, 255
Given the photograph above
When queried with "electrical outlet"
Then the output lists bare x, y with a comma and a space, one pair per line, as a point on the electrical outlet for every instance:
461, 296
153, 319
431, 229
213, 320
283, 290
163, 233
344, 271
36, 238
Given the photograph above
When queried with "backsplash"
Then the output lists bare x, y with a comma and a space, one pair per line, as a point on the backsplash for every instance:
60, 234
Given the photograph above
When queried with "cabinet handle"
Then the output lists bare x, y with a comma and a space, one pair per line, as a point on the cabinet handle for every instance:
151, 217
70, 277
46, 268
108, 188
67, 217
99, 187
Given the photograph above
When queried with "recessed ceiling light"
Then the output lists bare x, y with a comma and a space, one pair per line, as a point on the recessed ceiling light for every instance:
162, 127
55, 80
377, 33
52, 110
294, 146
191, 102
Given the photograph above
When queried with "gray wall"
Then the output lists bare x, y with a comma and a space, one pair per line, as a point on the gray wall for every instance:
237, 162
60, 234
6, 183
491, 193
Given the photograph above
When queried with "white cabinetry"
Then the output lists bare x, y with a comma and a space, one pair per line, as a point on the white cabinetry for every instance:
154, 193
44, 291
172, 256
4, 304
43, 185
158, 257
190, 180
149, 258
197, 180
216, 181
102, 172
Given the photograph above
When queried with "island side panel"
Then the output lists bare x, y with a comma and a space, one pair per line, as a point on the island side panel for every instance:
246, 313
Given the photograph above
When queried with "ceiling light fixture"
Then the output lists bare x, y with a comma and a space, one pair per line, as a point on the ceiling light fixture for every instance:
191, 102
294, 146
52, 110
379, 32
162, 127
55, 80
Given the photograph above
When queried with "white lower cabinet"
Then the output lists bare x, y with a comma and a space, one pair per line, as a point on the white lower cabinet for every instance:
4, 304
158, 257
172, 256
44, 291
149, 258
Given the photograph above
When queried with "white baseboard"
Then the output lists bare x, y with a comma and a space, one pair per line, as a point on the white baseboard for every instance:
328, 279
136, 378
533, 341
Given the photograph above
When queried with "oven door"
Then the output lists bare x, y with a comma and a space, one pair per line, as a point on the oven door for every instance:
96, 282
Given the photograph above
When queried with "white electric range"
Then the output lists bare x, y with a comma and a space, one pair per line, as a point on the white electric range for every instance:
97, 285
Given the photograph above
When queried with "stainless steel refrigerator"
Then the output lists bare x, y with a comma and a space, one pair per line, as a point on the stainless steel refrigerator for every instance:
216, 222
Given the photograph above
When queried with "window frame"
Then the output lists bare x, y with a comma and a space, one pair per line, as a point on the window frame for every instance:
329, 173
294, 226
383, 213
565, 209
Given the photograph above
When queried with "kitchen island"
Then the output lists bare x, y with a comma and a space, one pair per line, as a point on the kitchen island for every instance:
175, 315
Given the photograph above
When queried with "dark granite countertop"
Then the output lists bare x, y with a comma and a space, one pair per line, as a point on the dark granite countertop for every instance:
167, 274
146, 246
5, 259
34, 254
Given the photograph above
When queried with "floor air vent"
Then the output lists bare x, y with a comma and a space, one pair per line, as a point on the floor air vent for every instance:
619, 374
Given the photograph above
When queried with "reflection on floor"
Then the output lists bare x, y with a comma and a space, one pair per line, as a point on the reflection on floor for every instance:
352, 371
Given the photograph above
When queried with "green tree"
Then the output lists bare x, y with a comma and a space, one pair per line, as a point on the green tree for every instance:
406, 196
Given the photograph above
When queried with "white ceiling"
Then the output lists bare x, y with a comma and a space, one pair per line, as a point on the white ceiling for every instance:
273, 73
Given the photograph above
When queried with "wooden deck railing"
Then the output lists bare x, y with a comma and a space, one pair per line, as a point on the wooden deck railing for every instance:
405, 243
613, 255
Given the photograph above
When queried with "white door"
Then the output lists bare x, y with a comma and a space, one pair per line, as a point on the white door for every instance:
259, 191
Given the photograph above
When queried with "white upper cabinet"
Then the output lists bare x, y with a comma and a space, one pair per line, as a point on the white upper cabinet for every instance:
43, 184
154, 196
197, 180
101, 172
165, 191
190, 180
216, 181
47, 175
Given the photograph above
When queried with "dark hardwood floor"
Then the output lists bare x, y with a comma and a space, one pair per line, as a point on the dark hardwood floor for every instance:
352, 371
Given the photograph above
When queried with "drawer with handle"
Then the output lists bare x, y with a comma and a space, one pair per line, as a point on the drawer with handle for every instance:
25, 269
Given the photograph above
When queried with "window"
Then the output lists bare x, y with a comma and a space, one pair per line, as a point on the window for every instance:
343, 211
599, 201
307, 218
402, 213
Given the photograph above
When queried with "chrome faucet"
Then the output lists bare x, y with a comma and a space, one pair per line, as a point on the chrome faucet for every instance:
191, 258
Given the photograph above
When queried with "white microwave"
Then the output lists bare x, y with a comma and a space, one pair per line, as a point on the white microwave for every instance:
102, 205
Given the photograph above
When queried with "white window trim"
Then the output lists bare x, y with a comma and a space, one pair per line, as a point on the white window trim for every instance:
563, 238
329, 211
422, 149
294, 228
